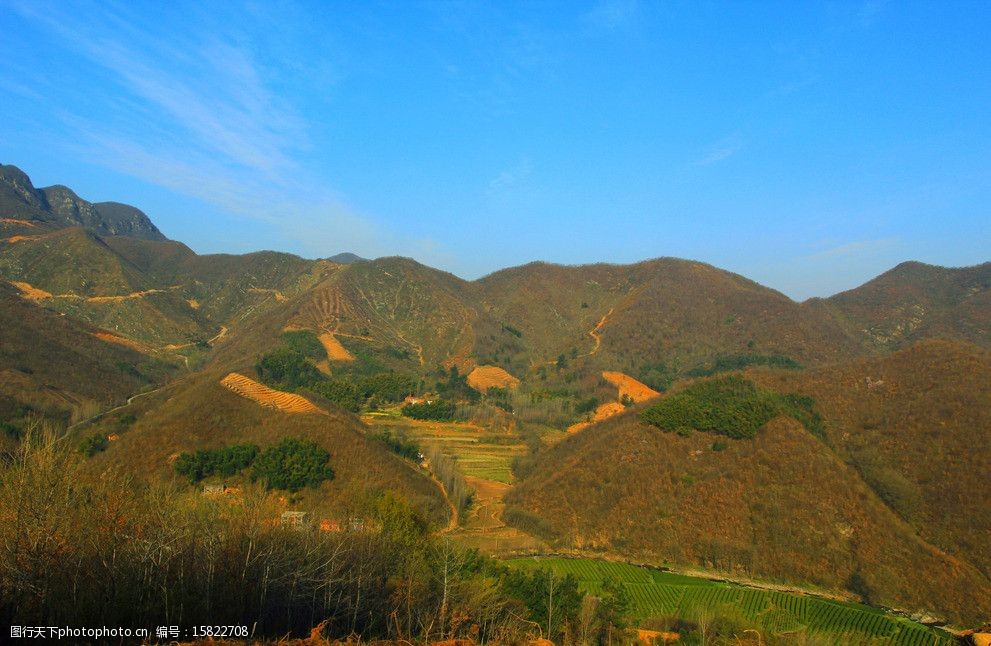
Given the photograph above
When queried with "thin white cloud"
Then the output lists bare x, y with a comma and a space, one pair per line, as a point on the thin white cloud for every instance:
511, 177
196, 114
720, 152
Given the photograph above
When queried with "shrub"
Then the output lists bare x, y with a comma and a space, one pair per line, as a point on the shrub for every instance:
586, 405
388, 386
436, 410
306, 343
207, 462
399, 444
658, 376
512, 330
343, 393
456, 386
730, 362
287, 368
103, 551
731, 406
292, 464
93, 445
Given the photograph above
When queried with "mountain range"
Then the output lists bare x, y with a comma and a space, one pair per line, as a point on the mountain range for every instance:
888, 498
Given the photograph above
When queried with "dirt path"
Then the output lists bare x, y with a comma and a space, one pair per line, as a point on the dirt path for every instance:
115, 408
594, 332
220, 335
452, 524
596, 335
33, 293
418, 348
120, 299
483, 526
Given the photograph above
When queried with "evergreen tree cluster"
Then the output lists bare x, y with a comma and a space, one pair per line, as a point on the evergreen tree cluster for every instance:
731, 406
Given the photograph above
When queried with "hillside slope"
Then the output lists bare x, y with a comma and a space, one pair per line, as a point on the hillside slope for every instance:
915, 301
56, 367
200, 413
394, 311
783, 505
667, 311
916, 425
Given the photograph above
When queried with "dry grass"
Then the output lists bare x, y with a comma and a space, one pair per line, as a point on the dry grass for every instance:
602, 412
200, 413
335, 351
484, 377
630, 387
31, 293
916, 425
258, 392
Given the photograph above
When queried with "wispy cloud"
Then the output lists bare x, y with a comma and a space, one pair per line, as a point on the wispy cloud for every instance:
720, 152
208, 88
511, 177
196, 114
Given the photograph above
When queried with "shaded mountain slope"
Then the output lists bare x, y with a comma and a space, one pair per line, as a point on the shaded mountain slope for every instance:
156, 292
59, 207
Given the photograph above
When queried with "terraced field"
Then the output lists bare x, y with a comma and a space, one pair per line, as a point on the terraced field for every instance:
480, 453
262, 394
654, 593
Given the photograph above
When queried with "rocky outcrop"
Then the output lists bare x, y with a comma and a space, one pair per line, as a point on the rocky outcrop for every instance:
59, 206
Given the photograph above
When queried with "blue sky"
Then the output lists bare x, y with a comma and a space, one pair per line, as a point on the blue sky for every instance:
809, 146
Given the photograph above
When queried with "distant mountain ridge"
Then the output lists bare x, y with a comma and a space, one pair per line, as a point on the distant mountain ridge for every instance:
635, 317
58, 206
346, 258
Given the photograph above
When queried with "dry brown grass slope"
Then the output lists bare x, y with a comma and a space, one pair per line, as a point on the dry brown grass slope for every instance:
55, 364
677, 311
915, 301
782, 506
199, 413
917, 426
